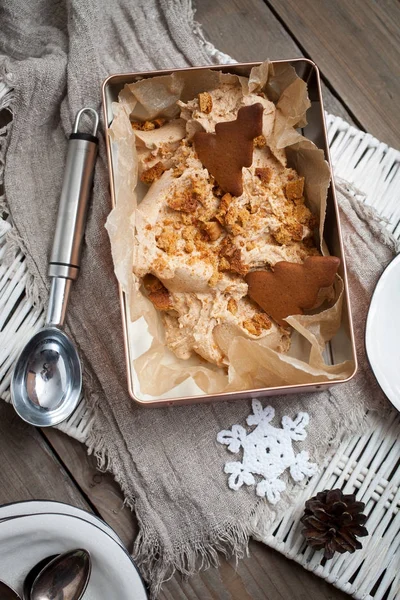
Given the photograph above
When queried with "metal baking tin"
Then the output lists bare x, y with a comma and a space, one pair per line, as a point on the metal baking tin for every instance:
342, 346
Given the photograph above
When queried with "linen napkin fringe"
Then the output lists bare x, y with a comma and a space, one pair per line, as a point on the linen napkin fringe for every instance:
13, 241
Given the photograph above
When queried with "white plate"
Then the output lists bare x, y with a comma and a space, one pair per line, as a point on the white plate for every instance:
382, 337
26, 540
39, 507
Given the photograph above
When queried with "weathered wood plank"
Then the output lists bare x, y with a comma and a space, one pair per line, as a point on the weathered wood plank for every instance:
264, 575
29, 470
357, 47
248, 31
101, 489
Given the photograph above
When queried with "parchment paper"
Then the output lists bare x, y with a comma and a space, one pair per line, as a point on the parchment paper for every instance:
156, 370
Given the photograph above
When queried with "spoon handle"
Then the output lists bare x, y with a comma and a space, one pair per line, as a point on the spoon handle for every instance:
71, 219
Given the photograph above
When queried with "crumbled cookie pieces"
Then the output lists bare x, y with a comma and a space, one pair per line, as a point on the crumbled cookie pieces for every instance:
232, 306
157, 292
147, 125
205, 102
290, 231
188, 199
264, 174
294, 189
161, 299
150, 175
259, 141
183, 201
257, 324
213, 230
168, 240
262, 320
233, 257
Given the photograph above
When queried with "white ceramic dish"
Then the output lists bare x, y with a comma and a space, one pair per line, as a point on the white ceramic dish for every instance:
26, 540
382, 337
39, 507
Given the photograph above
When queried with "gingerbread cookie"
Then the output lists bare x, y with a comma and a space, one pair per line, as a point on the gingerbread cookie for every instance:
291, 288
225, 152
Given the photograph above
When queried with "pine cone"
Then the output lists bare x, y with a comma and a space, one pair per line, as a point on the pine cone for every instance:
333, 521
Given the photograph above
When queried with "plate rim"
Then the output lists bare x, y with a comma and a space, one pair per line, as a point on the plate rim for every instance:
124, 550
368, 325
58, 502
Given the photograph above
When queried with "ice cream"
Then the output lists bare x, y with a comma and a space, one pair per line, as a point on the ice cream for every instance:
195, 243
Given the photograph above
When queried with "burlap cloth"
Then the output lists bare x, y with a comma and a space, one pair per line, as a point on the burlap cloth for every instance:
167, 461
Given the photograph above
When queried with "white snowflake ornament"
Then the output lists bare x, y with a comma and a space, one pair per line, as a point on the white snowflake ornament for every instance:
267, 451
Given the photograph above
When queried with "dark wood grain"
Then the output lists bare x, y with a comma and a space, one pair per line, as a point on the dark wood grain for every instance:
101, 489
264, 575
357, 47
248, 31
29, 469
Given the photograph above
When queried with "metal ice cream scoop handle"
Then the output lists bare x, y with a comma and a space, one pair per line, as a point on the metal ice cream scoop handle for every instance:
66, 253
47, 379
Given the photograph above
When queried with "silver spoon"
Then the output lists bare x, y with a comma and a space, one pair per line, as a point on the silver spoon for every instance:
6, 593
65, 577
47, 378
33, 573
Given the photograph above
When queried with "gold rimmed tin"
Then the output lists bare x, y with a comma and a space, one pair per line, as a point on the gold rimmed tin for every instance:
342, 346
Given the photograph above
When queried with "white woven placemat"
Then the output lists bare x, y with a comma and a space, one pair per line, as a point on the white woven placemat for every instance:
367, 464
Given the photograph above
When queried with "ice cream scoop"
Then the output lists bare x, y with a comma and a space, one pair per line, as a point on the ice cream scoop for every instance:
47, 378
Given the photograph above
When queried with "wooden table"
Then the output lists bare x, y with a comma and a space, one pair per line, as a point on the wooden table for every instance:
356, 44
